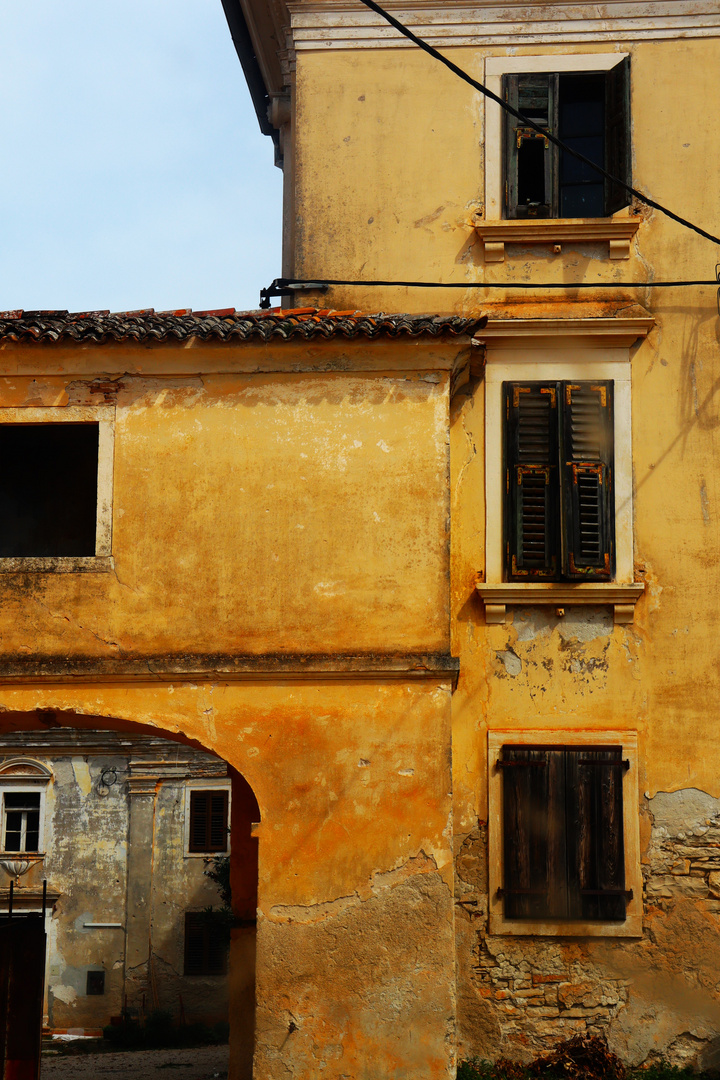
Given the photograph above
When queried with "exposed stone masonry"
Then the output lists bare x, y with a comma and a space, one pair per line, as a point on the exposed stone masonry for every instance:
658, 996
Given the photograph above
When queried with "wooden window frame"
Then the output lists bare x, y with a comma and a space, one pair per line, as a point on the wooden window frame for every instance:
555, 474
616, 133
561, 348
210, 787
631, 926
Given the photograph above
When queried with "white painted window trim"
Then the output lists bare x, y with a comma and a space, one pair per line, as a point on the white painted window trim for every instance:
216, 783
35, 782
632, 926
495, 68
104, 416
545, 365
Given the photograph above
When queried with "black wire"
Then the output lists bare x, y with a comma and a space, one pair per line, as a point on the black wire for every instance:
531, 123
285, 283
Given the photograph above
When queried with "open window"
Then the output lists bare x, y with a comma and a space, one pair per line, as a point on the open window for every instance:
587, 110
56, 489
559, 496
564, 855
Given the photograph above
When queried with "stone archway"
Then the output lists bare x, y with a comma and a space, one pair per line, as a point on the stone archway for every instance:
159, 786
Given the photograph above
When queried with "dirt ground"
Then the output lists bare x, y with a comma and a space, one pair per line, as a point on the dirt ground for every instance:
201, 1063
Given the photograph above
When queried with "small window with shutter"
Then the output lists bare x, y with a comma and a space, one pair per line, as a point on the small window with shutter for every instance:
205, 947
589, 112
208, 826
563, 836
559, 501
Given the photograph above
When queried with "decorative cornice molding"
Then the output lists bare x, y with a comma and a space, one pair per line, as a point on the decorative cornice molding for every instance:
618, 331
622, 597
343, 24
263, 668
618, 232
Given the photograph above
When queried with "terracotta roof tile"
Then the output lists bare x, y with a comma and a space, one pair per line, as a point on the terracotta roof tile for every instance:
224, 324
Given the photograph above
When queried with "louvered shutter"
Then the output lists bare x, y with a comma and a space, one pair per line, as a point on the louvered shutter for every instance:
534, 857
617, 135
218, 821
194, 944
595, 847
532, 542
199, 817
205, 945
208, 820
587, 497
529, 160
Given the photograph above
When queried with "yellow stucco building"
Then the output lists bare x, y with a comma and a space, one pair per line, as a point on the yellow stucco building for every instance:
441, 589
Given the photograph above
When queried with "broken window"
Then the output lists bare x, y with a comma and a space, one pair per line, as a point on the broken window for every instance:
563, 842
559, 501
590, 112
205, 946
21, 821
208, 821
48, 489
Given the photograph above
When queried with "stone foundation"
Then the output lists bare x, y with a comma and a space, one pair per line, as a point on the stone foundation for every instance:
655, 998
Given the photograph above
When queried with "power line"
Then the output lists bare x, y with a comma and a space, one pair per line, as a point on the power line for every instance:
402, 29
292, 286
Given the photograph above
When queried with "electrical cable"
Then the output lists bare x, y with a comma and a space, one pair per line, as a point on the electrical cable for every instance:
291, 286
402, 29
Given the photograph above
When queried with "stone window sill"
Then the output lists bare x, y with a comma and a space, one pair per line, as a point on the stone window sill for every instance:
559, 594
617, 231
60, 564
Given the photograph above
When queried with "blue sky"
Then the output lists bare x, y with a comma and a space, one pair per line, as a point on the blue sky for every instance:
133, 173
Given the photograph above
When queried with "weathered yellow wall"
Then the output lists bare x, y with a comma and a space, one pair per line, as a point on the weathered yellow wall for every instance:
276, 509
405, 137
355, 854
253, 513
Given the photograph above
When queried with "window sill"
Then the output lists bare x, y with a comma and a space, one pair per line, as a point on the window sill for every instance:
617, 231
631, 927
85, 564
559, 594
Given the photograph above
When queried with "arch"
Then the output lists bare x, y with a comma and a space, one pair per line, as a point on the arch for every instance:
24, 769
244, 815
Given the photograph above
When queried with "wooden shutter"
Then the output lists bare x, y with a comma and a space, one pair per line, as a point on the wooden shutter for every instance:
617, 135
205, 945
529, 158
588, 502
534, 856
595, 847
532, 487
563, 849
208, 820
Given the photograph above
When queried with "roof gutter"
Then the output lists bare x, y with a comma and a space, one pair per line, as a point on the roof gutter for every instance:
251, 69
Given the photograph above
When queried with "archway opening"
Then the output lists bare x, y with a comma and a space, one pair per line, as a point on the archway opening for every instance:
145, 839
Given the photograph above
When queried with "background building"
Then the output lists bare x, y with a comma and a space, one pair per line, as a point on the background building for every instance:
122, 828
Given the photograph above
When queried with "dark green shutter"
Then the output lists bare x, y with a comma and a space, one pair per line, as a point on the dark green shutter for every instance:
532, 543
617, 135
595, 845
588, 499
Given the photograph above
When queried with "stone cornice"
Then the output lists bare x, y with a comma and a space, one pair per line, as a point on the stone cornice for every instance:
264, 668
346, 24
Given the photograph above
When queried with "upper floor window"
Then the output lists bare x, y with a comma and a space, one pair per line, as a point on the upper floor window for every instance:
559, 498
56, 467
21, 821
587, 110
